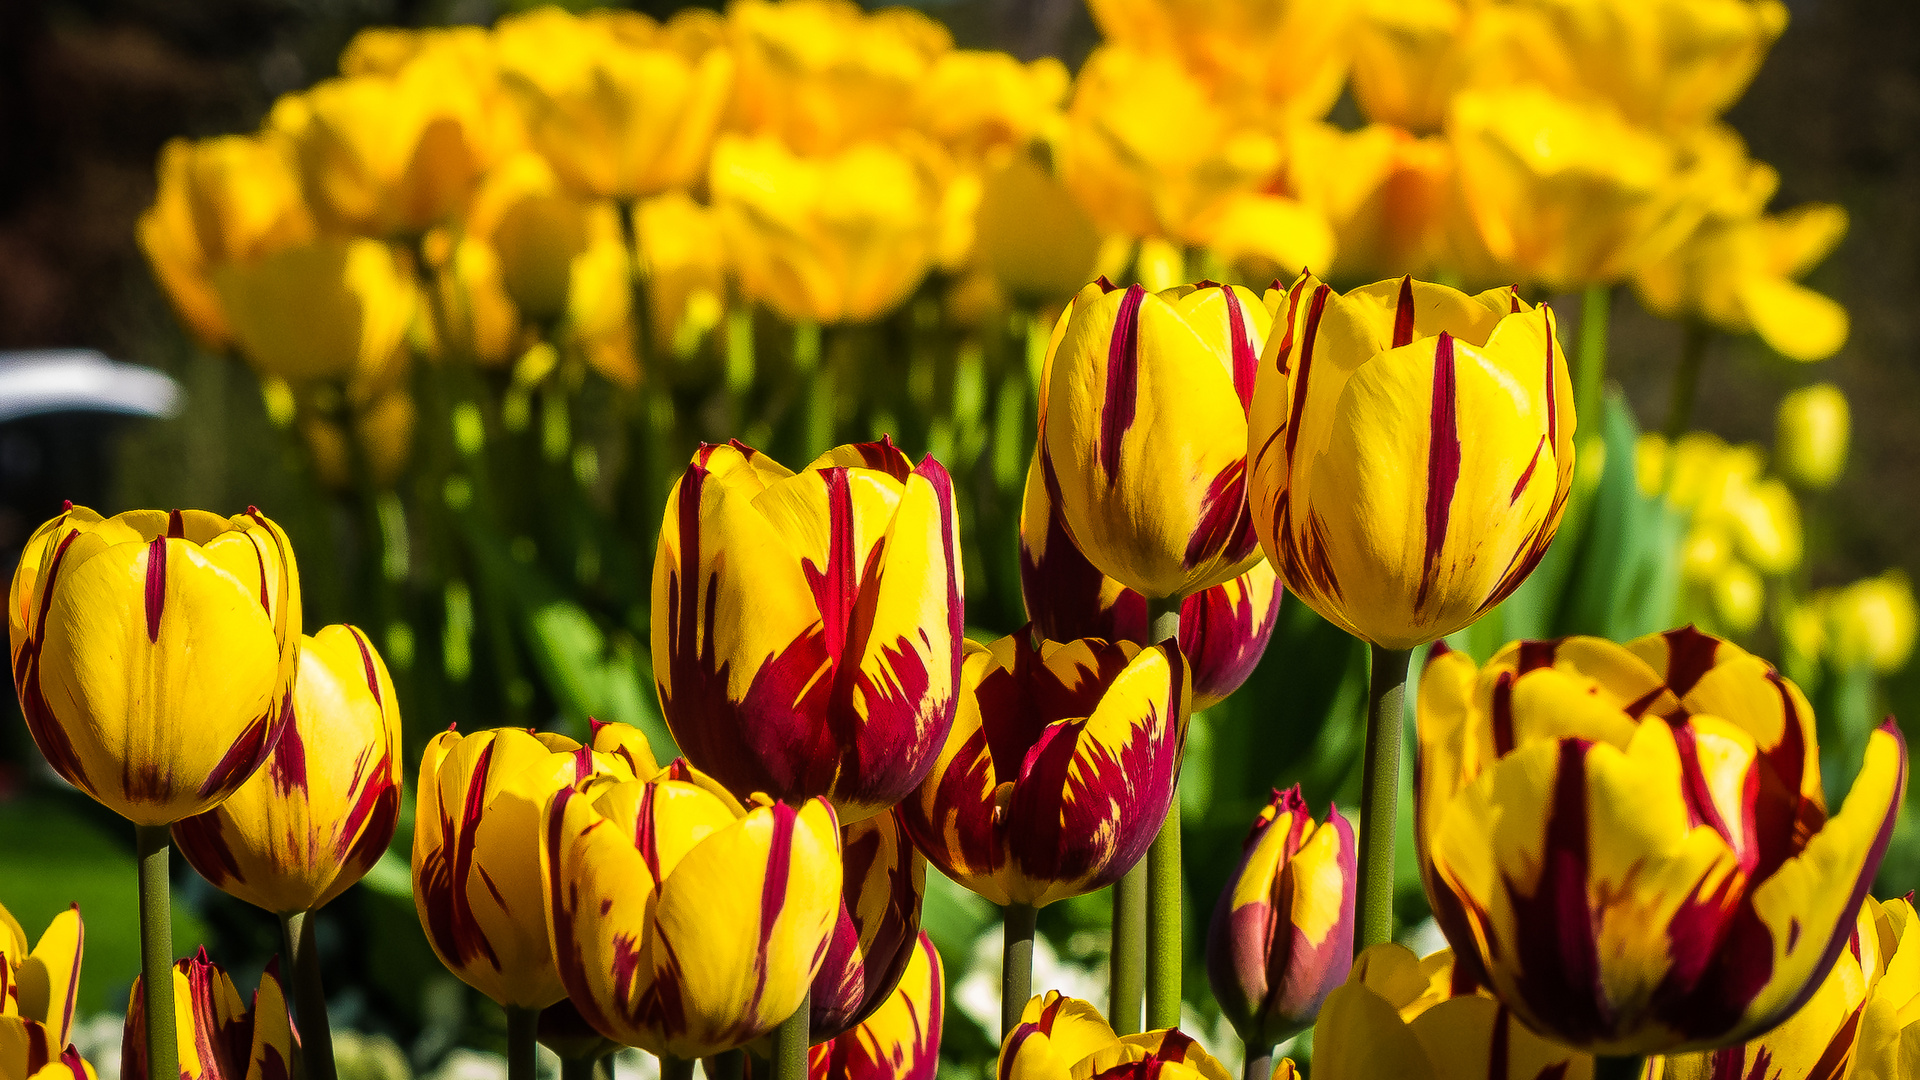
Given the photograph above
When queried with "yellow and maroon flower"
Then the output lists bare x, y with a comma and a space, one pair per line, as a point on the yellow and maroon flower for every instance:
1224, 629
221, 1037
1282, 932
319, 815
901, 1040
1063, 1038
1628, 844
873, 939
154, 653
38, 992
1059, 769
807, 627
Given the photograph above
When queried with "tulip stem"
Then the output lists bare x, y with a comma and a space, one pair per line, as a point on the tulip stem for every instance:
1591, 362
1619, 1068
1016, 964
1686, 378
1259, 1063
1380, 787
587, 1068
671, 1068
154, 848
1166, 952
730, 1065
790, 1041
523, 1033
309, 1000
1127, 966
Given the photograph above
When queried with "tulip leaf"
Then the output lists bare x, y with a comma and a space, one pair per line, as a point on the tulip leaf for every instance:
1625, 565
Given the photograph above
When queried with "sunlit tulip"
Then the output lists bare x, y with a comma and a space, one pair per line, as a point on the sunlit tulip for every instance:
154, 653
1282, 933
38, 992
221, 1035
386, 50
901, 1040
976, 103
873, 938
1411, 452
230, 199
1383, 192
1059, 769
619, 112
1264, 236
807, 638
476, 865
1061, 1037
1144, 428
1286, 58
319, 814
1410, 1019
1031, 233
1223, 629
1811, 430
336, 308
1628, 844
684, 922
1871, 623
476, 319
684, 261
1410, 56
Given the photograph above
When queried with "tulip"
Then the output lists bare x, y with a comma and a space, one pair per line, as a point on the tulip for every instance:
1629, 845
1144, 431
1384, 193
1223, 629
884, 877
1410, 57
221, 1036
38, 992
1031, 233
808, 639
685, 268
901, 1039
1810, 435
1062, 1037
690, 923
1263, 235
1411, 1019
981, 104
1058, 770
1282, 932
336, 308
1872, 623
1287, 58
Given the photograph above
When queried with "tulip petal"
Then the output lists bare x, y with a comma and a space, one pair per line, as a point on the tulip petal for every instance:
954, 816
901, 1040
48, 982
1224, 631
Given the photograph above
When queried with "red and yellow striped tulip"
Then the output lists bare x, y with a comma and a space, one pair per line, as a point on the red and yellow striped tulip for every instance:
1628, 844
684, 922
884, 876
476, 862
1143, 423
1063, 1038
808, 626
221, 1036
154, 653
319, 815
38, 991
1282, 933
901, 1040
1224, 629
1378, 508
68, 1066
1410, 1019
1059, 769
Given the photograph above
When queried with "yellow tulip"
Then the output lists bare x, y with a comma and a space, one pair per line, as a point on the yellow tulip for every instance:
166, 729
319, 814
1280, 58
1266, 237
1376, 502
1384, 192
1410, 56
1031, 234
386, 50
478, 320
1063, 1038
901, 1040
476, 853
38, 992
685, 267
1811, 429
221, 1036
685, 922
1872, 623
330, 309
981, 104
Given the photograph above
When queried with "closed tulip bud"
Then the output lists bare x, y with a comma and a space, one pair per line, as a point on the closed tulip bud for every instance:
1224, 629
38, 993
1031, 233
1061, 1037
221, 1035
883, 879
1738, 596
683, 921
1628, 844
901, 1040
1059, 769
317, 817
809, 635
337, 308
1411, 451
1282, 933
1144, 430
154, 653
476, 866
1765, 522
1872, 621
1411, 1019
1811, 430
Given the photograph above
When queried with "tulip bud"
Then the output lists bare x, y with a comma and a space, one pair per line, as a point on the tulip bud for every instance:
1810, 440
1282, 933
38, 992
873, 939
901, 1040
317, 817
809, 627
1059, 769
154, 653
1061, 1037
670, 891
1674, 830
1411, 451
1872, 623
476, 868
1739, 597
1031, 232
220, 1035
336, 308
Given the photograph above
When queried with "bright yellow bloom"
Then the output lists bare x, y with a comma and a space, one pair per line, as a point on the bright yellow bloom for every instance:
842, 237
901, 1040
1283, 59
386, 50
335, 308
684, 261
1384, 192
982, 104
1629, 845
220, 1035
38, 992
154, 653
476, 852
319, 814
1411, 451
1871, 623
1031, 233
1059, 1038
683, 921
1811, 429
1267, 237
1411, 56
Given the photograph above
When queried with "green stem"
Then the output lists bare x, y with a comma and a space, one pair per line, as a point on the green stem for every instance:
1259, 1063
790, 1041
731, 1065
1016, 964
671, 1068
523, 1032
154, 849
1590, 375
1380, 786
309, 1000
585, 1068
1127, 967
1619, 1068
1686, 378
1166, 953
